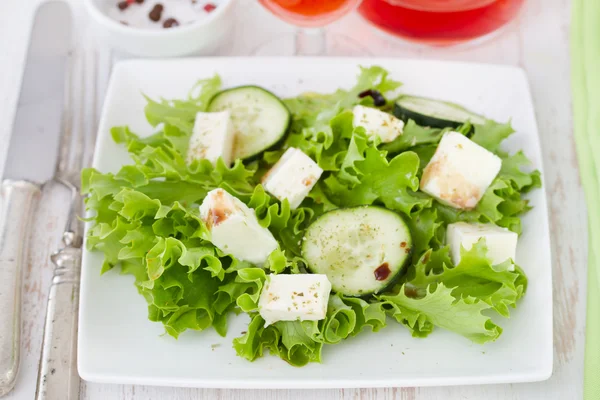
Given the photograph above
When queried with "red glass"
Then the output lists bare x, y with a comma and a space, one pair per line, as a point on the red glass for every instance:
309, 13
440, 22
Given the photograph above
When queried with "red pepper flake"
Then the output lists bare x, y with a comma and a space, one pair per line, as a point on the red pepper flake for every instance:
382, 272
209, 7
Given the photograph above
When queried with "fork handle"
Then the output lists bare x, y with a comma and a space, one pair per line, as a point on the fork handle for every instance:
17, 203
57, 376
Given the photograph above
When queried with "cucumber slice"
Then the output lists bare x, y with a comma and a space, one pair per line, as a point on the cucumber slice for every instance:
260, 119
434, 113
362, 250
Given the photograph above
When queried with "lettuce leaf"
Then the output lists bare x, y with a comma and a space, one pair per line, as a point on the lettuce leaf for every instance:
183, 277
512, 171
326, 146
181, 113
426, 230
301, 342
315, 128
473, 277
314, 110
439, 308
414, 135
491, 134
392, 183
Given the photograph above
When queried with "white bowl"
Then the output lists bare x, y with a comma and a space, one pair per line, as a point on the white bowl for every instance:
201, 37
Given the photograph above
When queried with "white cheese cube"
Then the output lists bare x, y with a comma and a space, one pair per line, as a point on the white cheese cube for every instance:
212, 137
234, 228
294, 297
460, 171
378, 123
501, 242
292, 177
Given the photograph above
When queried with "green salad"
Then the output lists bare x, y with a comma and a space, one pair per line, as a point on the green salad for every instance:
320, 216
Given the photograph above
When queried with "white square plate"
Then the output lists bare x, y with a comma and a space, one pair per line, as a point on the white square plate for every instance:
118, 344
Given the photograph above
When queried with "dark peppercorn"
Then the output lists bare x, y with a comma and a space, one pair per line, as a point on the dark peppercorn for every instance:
365, 93
123, 5
139, 1
156, 12
379, 100
170, 23
377, 97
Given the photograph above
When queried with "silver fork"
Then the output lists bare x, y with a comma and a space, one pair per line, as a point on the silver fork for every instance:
57, 376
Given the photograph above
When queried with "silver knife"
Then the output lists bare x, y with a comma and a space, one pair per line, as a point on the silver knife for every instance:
31, 161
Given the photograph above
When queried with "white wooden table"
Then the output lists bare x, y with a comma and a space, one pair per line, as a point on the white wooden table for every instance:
538, 41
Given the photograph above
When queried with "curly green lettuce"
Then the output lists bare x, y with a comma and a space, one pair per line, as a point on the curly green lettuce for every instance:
300, 342
145, 220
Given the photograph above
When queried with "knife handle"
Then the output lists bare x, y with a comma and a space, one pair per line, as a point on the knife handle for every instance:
17, 204
57, 376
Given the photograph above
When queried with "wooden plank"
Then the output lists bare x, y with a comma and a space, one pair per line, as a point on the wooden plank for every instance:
538, 42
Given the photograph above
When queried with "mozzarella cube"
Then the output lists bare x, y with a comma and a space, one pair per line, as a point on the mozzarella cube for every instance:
292, 177
459, 172
212, 137
377, 123
294, 297
501, 242
234, 228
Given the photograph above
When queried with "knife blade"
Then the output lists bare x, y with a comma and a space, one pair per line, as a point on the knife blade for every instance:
31, 161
